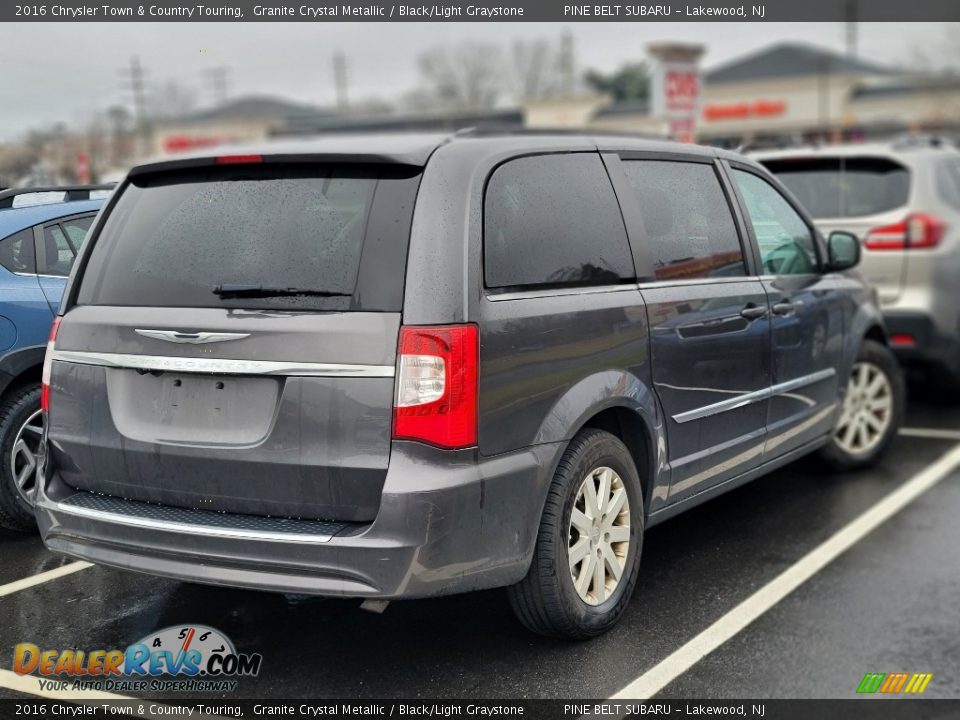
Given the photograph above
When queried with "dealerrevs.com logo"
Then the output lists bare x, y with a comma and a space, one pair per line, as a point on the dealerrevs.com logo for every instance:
181, 658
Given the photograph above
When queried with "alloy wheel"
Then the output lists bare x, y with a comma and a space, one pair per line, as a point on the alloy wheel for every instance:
599, 535
867, 409
25, 455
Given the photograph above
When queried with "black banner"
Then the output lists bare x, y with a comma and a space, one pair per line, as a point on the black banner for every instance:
482, 11
861, 709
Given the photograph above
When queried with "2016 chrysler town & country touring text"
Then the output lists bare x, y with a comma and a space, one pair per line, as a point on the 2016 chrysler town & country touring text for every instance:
404, 366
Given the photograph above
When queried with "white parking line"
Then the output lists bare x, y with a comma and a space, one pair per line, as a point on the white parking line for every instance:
932, 433
682, 659
43, 577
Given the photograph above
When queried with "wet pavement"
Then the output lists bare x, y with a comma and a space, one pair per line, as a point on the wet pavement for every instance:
889, 604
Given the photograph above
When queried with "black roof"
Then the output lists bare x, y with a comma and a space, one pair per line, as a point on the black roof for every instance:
791, 60
906, 86
633, 107
257, 106
412, 122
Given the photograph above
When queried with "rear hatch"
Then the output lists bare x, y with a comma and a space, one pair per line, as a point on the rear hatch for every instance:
863, 195
232, 339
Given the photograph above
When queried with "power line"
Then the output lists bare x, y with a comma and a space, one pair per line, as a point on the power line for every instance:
135, 83
851, 28
340, 80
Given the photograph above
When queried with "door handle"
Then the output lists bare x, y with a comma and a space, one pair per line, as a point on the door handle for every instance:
784, 307
753, 312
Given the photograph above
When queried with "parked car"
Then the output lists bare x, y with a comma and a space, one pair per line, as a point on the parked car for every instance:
405, 366
902, 200
37, 249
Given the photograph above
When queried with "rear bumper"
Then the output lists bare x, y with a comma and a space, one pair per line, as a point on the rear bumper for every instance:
447, 523
930, 345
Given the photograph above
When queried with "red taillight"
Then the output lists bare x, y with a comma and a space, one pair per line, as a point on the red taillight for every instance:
47, 365
436, 400
903, 340
238, 159
919, 231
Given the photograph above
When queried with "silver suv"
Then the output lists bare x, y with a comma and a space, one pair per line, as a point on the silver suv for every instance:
902, 199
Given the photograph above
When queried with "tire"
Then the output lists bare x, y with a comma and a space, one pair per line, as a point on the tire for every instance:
547, 601
16, 513
862, 417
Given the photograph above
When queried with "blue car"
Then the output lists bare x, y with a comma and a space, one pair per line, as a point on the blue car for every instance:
38, 244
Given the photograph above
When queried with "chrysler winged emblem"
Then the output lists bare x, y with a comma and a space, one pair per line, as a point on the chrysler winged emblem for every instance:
194, 338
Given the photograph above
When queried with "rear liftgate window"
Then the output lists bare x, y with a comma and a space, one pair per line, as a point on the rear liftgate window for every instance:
844, 187
290, 237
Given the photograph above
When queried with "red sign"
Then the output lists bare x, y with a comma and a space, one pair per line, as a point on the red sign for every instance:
682, 89
83, 168
682, 130
182, 143
744, 110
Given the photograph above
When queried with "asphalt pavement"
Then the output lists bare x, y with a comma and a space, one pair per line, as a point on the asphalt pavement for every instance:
888, 604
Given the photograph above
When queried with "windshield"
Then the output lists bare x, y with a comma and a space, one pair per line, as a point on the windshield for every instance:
172, 240
841, 187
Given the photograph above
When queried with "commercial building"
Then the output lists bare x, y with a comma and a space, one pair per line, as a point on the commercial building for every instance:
785, 93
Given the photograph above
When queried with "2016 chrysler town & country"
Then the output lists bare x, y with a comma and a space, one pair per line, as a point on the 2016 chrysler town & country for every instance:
404, 366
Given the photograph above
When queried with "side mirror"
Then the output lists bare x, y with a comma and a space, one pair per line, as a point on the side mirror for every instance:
843, 249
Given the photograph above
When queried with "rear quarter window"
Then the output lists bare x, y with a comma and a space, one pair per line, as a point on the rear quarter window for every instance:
17, 252
341, 231
553, 220
948, 182
840, 187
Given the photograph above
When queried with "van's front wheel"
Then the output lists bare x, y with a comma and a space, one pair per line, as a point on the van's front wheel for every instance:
588, 546
872, 410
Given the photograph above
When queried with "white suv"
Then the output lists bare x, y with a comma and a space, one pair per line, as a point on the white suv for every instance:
902, 199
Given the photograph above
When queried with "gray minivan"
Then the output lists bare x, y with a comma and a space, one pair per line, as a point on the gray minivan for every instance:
403, 366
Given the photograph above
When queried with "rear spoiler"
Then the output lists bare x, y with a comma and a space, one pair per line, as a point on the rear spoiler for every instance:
255, 158
70, 192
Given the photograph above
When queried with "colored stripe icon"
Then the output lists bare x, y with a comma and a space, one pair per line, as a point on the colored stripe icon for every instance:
895, 683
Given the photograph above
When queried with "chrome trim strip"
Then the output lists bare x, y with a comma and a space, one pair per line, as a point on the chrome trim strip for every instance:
222, 366
753, 397
179, 527
494, 296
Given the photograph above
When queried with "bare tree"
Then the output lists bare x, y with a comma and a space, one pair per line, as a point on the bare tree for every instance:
465, 78
536, 69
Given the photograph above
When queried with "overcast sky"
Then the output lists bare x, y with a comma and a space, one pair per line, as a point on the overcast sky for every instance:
65, 71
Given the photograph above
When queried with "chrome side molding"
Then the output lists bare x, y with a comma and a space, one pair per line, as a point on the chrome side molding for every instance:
753, 397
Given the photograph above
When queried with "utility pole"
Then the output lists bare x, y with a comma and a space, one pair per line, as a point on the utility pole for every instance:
135, 84
567, 63
340, 81
219, 81
851, 28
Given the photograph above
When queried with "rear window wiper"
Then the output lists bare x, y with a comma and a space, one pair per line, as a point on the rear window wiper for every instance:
232, 290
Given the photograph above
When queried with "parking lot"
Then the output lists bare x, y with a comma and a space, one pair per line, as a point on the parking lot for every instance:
888, 604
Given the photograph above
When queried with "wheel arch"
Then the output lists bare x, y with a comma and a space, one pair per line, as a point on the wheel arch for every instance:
20, 367
617, 402
865, 324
